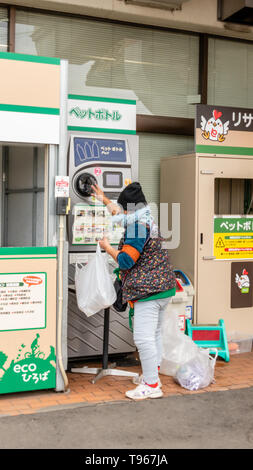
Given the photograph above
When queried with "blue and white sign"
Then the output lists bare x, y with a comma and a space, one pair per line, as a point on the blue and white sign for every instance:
92, 149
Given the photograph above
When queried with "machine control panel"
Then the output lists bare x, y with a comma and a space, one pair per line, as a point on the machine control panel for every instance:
101, 161
105, 161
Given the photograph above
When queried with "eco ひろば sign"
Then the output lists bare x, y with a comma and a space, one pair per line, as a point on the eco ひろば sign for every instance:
31, 368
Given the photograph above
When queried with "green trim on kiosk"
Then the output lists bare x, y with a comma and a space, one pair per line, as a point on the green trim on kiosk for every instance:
101, 99
224, 150
98, 129
30, 58
28, 250
29, 109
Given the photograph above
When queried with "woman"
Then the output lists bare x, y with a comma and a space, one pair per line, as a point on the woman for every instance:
148, 281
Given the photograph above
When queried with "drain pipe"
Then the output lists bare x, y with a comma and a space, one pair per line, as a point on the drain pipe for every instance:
60, 302
62, 208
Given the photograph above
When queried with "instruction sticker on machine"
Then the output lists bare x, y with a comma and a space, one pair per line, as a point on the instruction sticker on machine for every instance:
233, 237
22, 301
91, 223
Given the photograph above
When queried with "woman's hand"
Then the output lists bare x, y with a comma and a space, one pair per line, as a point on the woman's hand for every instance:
104, 244
98, 193
111, 206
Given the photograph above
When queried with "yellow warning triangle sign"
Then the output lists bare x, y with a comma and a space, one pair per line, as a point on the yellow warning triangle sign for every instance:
220, 243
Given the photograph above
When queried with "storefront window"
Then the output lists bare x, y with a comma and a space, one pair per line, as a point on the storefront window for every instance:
22, 195
230, 73
157, 68
3, 29
233, 196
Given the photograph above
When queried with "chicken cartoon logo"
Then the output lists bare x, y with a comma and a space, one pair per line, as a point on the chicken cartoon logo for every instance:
243, 282
213, 128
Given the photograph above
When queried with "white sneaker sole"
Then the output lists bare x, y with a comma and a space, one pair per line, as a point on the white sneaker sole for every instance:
154, 395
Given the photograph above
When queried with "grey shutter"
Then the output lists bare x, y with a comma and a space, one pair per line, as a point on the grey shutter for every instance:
3, 29
157, 68
230, 73
152, 148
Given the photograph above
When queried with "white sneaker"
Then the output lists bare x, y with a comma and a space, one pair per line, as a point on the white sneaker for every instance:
144, 391
139, 380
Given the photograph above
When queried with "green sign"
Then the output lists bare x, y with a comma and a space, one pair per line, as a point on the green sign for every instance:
100, 114
29, 370
233, 237
235, 224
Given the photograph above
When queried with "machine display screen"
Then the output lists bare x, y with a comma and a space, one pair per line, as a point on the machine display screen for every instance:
112, 179
88, 149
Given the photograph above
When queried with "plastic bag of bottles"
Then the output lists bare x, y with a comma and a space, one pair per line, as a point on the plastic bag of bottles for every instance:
198, 372
177, 347
94, 286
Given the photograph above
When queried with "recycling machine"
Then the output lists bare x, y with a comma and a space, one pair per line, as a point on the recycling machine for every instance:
111, 161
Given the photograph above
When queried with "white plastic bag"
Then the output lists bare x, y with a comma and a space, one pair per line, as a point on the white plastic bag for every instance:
94, 286
178, 348
198, 372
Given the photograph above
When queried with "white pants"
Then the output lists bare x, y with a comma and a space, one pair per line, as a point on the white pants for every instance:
148, 337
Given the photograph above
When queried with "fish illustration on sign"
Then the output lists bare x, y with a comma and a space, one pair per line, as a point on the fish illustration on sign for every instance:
213, 128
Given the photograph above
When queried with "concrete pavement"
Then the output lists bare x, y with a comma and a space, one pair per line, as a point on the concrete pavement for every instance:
211, 420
